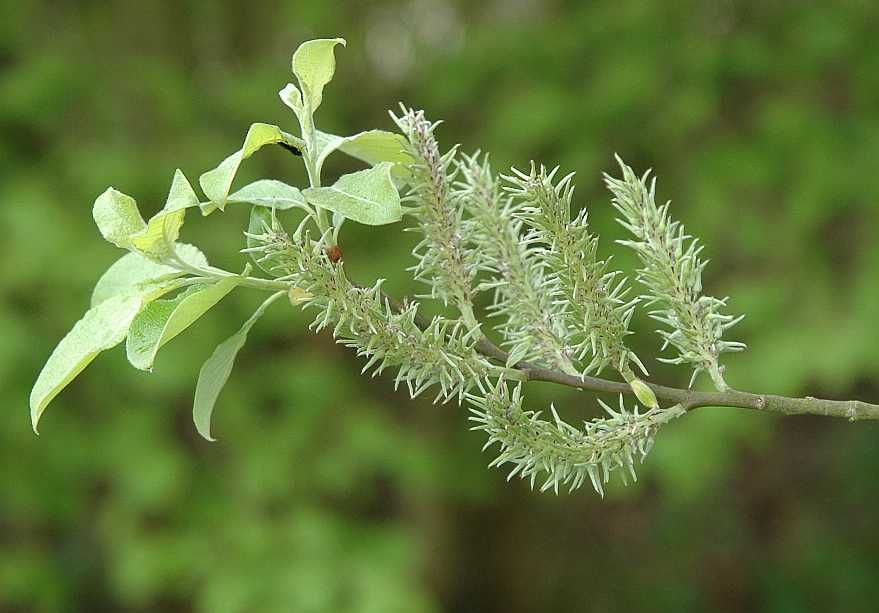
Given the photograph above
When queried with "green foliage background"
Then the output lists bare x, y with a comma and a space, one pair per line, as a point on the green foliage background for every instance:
331, 492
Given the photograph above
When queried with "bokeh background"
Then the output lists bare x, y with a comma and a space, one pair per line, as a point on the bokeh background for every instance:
329, 492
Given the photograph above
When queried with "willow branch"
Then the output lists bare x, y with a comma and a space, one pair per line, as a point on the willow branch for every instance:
853, 410
689, 399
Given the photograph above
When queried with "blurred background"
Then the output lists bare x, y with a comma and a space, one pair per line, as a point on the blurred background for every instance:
330, 492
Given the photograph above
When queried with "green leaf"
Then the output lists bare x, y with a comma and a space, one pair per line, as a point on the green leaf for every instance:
162, 320
121, 223
117, 217
368, 196
270, 193
158, 239
314, 63
134, 273
372, 147
103, 327
216, 183
215, 371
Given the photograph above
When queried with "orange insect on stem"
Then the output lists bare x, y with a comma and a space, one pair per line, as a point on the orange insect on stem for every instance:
334, 253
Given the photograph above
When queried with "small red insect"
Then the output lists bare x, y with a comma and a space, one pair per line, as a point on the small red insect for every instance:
334, 253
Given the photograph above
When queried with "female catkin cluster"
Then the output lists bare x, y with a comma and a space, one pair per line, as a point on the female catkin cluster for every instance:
592, 299
531, 322
440, 353
672, 274
445, 262
566, 455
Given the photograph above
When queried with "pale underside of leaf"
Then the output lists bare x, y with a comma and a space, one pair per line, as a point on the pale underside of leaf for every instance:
117, 217
367, 196
133, 270
103, 327
292, 97
181, 195
216, 369
162, 320
372, 147
270, 193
